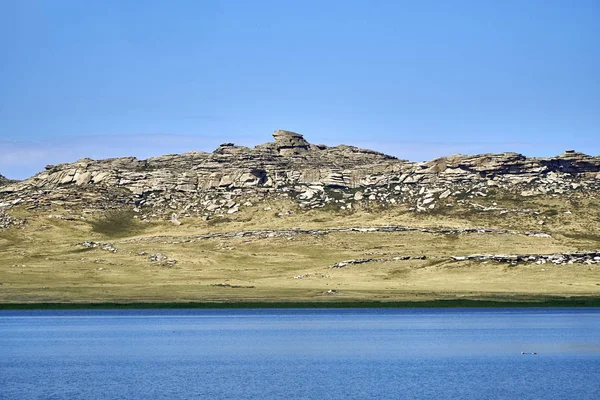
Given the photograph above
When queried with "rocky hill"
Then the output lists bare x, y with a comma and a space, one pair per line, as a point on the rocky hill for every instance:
292, 221
314, 176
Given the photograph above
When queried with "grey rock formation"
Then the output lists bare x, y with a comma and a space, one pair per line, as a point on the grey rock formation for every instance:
290, 143
289, 159
584, 257
233, 177
343, 264
103, 246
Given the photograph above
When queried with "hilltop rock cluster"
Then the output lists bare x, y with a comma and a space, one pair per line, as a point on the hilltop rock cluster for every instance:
314, 176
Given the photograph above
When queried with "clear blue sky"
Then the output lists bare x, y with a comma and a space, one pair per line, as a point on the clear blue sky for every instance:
416, 79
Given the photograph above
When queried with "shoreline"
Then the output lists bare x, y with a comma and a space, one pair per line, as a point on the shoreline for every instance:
579, 302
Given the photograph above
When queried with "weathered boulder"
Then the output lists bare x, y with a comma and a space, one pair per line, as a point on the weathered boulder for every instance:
290, 143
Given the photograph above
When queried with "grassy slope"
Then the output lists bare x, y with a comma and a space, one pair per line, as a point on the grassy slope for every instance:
39, 262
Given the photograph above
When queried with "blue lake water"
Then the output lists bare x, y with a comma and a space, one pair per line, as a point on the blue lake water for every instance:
301, 354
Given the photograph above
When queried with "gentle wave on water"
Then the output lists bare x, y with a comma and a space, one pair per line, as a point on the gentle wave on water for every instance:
300, 353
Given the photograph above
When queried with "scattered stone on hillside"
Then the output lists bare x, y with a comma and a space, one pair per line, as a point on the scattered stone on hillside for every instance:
233, 210
160, 257
103, 246
174, 220
228, 285
6, 220
271, 233
538, 234
343, 264
310, 275
585, 257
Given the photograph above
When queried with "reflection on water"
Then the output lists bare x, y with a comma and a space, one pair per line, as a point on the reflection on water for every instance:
337, 354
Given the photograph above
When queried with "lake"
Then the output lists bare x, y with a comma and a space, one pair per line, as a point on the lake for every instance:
301, 354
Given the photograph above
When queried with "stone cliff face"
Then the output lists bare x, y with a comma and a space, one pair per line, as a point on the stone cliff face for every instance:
3, 180
289, 159
199, 183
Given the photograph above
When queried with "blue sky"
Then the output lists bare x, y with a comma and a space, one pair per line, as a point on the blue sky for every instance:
416, 79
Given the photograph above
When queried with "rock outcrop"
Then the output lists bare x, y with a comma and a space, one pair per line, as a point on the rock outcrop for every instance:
233, 177
7, 220
290, 143
583, 257
343, 264
287, 233
288, 160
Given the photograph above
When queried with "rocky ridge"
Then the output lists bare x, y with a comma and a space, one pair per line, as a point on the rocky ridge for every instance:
582, 257
233, 177
271, 233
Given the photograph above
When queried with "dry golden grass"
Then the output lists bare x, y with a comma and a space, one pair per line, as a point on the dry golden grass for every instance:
40, 262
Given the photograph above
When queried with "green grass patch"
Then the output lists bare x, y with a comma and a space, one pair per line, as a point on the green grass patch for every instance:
116, 223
